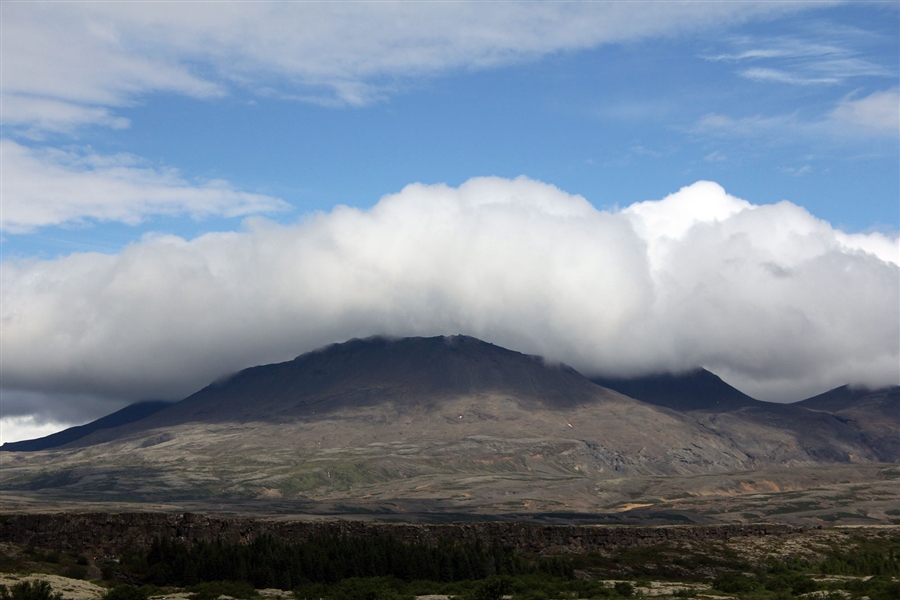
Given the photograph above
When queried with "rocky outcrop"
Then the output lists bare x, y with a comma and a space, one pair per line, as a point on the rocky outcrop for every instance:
116, 533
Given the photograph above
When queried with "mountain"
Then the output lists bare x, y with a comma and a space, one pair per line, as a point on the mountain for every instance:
695, 390
874, 413
129, 414
847, 397
361, 373
829, 425
445, 423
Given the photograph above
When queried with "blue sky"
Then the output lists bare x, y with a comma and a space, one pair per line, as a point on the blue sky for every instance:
124, 124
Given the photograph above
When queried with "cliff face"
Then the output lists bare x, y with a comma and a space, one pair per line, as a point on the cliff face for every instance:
112, 534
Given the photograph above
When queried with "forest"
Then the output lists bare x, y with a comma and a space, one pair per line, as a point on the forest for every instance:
382, 567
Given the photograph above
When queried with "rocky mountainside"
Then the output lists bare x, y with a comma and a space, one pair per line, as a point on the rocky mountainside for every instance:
453, 423
830, 425
874, 413
408, 372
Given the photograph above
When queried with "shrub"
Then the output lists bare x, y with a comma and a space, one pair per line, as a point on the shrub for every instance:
803, 584
624, 589
734, 583
27, 590
492, 588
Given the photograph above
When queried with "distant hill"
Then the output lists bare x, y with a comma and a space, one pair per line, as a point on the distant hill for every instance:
129, 414
695, 390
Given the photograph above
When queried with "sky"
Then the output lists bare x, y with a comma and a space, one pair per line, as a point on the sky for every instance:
192, 188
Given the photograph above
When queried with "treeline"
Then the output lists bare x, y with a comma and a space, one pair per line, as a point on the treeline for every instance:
270, 563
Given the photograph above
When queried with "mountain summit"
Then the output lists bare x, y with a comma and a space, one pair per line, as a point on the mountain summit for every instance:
366, 372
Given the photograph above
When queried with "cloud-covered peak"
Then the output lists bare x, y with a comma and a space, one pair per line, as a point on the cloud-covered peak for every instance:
777, 301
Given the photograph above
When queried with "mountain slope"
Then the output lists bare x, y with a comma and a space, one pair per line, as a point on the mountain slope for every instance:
874, 413
695, 390
847, 397
129, 414
441, 421
832, 427
370, 372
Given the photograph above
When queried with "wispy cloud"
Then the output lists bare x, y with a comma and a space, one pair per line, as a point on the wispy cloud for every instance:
798, 61
874, 116
35, 117
762, 74
48, 187
96, 56
772, 127
798, 171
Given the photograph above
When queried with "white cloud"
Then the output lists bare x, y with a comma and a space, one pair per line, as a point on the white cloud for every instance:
798, 171
35, 116
771, 127
764, 74
874, 116
797, 61
774, 298
878, 112
44, 187
92, 56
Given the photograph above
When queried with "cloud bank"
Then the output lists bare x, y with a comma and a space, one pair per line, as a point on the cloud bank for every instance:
777, 301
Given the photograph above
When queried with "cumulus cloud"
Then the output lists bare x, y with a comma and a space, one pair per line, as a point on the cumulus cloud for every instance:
43, 187
74, 60
771, 297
